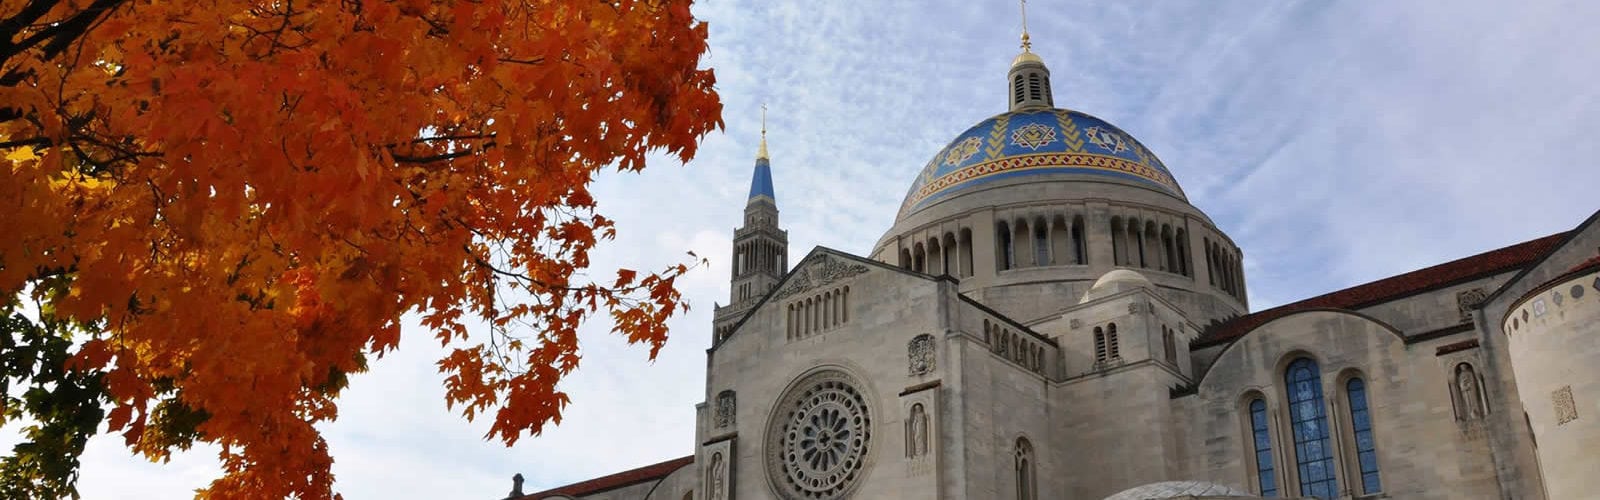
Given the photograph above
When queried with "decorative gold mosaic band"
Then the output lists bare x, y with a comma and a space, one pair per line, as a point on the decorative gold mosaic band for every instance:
1042, 160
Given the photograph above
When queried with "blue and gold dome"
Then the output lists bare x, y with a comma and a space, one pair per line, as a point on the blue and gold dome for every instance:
1036, 142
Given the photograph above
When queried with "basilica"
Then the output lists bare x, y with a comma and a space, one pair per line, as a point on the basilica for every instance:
1050, 318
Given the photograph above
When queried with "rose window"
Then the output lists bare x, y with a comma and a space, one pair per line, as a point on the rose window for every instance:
821, 436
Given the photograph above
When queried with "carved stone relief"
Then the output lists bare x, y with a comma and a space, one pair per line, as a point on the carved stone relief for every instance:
1566, 408
820, 271
726, 410
920, 355
1466, 299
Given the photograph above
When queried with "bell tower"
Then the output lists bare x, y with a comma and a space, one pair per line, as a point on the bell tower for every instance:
760, 247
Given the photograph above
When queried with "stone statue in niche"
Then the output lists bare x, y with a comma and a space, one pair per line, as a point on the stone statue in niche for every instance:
719, 479
727, 408
1468, 392
917, 432
919, 353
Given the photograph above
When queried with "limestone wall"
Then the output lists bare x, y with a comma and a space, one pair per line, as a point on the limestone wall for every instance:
1421, 451
1554, 346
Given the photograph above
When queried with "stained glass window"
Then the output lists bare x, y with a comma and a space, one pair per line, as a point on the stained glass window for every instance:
1308, 419
1361, 425
1266, 476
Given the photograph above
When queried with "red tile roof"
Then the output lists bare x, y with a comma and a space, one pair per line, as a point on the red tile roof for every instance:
1359, 296
1593, 261
625, 478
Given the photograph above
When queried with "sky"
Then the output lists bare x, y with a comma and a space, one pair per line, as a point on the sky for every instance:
1335, 142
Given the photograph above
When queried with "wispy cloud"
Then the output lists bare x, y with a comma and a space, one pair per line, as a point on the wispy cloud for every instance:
1336, 143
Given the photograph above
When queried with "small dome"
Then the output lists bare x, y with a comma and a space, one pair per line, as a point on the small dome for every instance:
1116, 281
1037, 143
1177, 489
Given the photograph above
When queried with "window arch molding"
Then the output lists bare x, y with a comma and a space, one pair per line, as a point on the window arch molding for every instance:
1259, 460
1365, 478
1332, 406
1025, 471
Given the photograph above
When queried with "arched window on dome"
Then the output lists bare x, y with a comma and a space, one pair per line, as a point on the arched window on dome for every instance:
919, 257
966, 252
1118, 246
1183, 253
1308, 421
1022, 254
950, 267
1136, 250
935, 257
1361, 432
1261, 442
1041, 243
1151, 247
905, 258
1060, 240
1002, 233
1169, 250
1211, 272
1027, 480
1080, 248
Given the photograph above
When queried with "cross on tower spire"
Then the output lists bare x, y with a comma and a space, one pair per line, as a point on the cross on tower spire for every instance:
762, 154
1027, 46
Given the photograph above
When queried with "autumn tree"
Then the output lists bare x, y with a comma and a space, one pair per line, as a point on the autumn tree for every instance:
215, 212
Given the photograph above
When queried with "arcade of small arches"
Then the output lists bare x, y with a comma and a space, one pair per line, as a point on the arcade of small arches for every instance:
757, 256
1015, 346
818, 313
1043, 240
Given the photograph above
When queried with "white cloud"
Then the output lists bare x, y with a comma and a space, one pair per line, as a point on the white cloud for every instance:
1336, 143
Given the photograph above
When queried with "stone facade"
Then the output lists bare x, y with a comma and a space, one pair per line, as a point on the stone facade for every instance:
1073, 334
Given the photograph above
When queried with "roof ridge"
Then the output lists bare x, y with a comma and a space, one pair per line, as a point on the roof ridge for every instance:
1392, 287
616, 480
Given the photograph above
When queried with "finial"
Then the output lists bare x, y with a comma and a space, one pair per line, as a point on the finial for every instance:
1027, 46
762, 154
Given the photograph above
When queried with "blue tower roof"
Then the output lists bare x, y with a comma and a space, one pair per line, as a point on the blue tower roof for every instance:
761, 182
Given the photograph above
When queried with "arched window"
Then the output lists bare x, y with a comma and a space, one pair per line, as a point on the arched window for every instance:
1112, 351
1080, 250
1261, 437
1099, 345
1118, 247
1003, 240
1308, 420
1041, 244
1016, 89
905, 259
1361, 428
966, 252
919, 257
1027, 482
950, 268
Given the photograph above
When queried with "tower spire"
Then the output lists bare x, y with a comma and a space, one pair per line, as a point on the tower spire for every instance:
1027, 45
762, 154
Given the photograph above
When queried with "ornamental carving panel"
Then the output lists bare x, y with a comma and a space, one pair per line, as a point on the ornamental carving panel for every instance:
819, 438
1466, 299
919, 353
820, 271
726, 410
1566, 408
